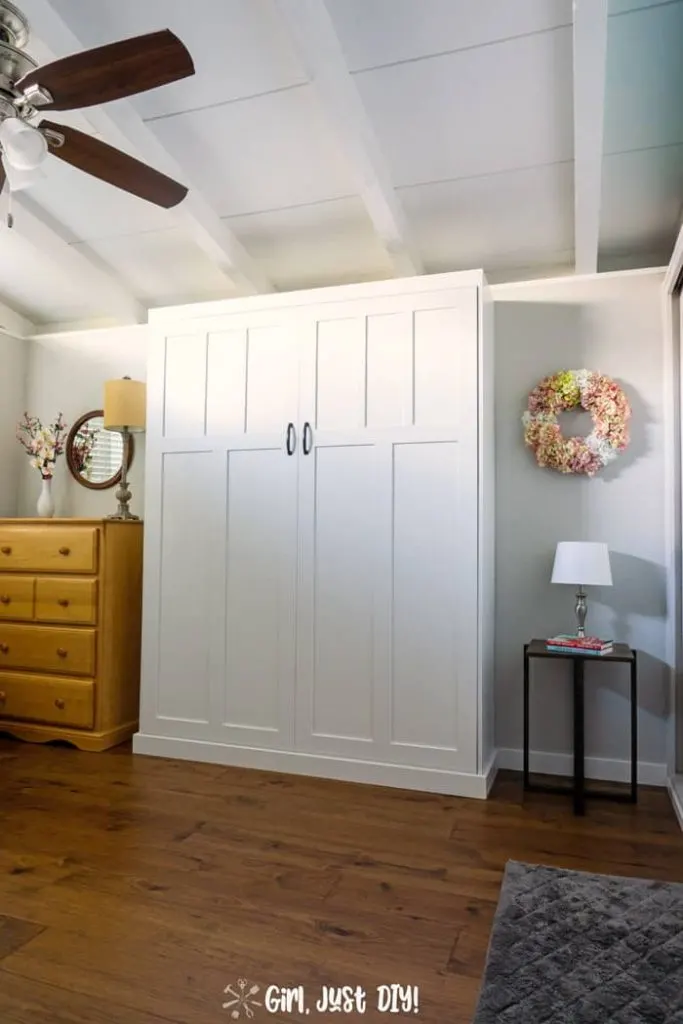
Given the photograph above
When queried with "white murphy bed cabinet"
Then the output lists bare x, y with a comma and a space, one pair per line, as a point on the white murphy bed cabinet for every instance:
330, 611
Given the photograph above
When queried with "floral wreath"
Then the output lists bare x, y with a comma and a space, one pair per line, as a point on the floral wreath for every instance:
569, 389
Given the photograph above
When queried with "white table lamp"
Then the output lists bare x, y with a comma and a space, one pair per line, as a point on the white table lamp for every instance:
582, 563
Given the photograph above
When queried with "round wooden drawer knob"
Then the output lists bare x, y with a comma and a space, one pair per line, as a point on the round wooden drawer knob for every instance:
5, 599
6, 551
63, 603
65, 551
4, 648
60, 704
62, 652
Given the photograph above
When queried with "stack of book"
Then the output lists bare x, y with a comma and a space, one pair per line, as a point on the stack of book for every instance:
567, 643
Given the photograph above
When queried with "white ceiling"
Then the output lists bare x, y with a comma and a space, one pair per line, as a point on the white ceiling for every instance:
453, 118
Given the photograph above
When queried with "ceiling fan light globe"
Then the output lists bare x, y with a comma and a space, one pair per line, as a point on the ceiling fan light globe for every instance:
20, 179
24, 146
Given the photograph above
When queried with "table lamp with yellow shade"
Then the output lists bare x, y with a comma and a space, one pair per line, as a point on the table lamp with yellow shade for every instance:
124, 411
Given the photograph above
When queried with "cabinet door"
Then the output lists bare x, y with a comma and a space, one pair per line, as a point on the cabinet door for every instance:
229, 533
254, 690
387, 614
180, 586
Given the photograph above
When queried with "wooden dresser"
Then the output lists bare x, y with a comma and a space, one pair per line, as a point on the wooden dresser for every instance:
70, 622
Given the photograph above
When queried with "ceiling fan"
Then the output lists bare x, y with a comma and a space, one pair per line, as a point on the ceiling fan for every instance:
100, 75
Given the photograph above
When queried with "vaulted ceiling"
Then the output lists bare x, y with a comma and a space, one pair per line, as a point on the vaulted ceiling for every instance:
328, 141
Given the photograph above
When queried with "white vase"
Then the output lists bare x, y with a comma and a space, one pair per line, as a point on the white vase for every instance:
46, 503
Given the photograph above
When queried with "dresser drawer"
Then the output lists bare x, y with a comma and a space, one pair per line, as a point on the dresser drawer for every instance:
48, 549
67, 651
47, 699
67, 600
16, 597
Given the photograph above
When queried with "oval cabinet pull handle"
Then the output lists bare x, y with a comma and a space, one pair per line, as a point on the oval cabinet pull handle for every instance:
62, 652
308, 438
291, 439
3, 696
60, 704
5, 599
4, 648
63, 602
65, 551
6, 550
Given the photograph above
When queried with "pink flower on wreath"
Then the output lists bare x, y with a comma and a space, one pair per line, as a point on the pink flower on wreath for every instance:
569, 389
581, 459
610, 408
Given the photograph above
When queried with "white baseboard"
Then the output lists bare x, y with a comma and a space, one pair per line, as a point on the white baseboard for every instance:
676, 793
604, 768
490, 771
426, 780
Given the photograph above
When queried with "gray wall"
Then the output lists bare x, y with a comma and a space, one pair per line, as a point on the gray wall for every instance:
66, 373
13, 368
612, 325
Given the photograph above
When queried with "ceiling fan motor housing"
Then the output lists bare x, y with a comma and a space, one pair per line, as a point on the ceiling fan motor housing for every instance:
14, 28
14, 64
14, 35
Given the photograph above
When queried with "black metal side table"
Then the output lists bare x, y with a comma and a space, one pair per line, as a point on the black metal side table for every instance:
621, 653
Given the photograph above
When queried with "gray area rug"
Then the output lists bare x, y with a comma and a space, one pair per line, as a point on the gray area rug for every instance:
569, 947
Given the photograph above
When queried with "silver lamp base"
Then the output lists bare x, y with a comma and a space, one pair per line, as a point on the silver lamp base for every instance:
123, 492
581, 607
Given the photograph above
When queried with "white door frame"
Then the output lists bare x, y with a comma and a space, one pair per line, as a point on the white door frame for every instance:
673, 392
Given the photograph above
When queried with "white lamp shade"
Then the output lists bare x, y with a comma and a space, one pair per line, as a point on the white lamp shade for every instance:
582, 563
125, 405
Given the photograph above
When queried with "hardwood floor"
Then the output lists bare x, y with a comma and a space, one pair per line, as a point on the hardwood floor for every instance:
135, 890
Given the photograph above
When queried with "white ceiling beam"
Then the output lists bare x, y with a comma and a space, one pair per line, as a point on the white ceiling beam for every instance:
590, 60
313, 33
93, 275
121, 125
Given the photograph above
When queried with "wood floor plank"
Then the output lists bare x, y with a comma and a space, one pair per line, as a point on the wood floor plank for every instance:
21, 1003
15, 933
139, 889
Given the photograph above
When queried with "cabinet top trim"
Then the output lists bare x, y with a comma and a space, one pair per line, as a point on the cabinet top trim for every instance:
70, 521
314, 296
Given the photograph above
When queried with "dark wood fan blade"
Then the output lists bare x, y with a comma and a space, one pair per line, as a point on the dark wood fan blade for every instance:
112, 72
111, 165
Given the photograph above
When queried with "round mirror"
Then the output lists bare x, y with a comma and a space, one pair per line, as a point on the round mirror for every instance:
95, 455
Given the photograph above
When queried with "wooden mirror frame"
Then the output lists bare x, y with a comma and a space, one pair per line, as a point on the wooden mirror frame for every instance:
71, 462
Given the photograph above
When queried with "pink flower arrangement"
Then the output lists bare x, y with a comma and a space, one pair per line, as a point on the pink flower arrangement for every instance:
570, 389
43, 444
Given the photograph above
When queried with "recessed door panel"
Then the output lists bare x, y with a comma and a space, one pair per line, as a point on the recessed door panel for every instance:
261, 529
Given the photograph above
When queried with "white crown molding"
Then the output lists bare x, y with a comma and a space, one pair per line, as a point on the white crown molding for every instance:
610, 275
